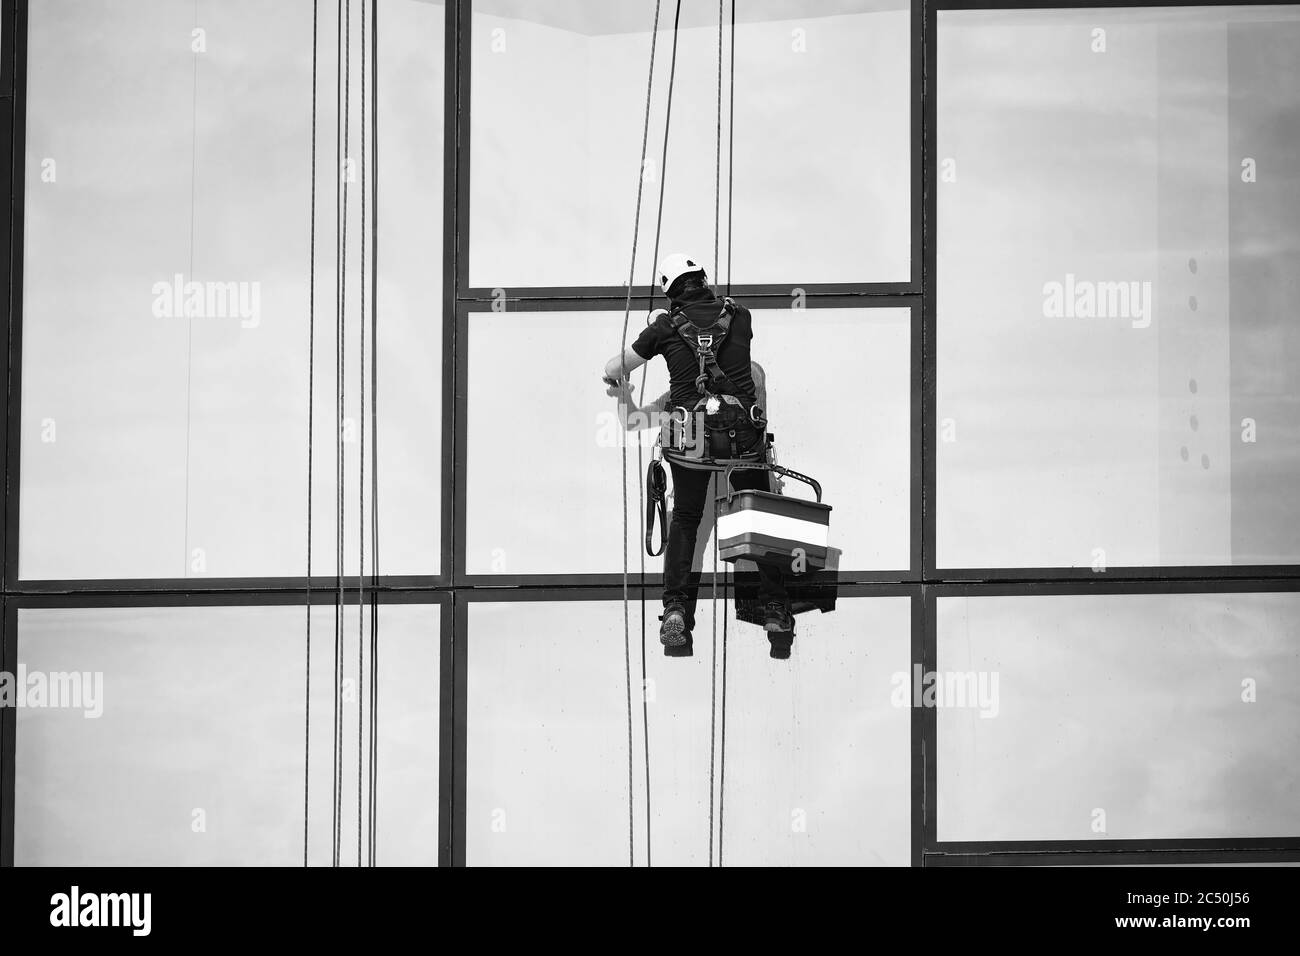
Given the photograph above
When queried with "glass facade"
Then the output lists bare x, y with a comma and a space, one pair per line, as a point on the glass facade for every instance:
1115, 272
315, 356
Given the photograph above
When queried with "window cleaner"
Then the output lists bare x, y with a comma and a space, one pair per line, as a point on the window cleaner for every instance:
717, 422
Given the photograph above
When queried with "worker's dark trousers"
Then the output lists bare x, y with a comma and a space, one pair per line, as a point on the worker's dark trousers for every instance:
690, 494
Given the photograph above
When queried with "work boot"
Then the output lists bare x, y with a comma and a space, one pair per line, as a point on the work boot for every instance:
682, 650
779, 624
673, 632
777, 618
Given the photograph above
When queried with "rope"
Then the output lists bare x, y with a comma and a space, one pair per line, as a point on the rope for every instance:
627, 634
311, 381
361, 454
731, 140
713, 666
659, 220
717, 159
341, 211
374, 426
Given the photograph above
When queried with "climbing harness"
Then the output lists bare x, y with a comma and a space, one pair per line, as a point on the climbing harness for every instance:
720, 426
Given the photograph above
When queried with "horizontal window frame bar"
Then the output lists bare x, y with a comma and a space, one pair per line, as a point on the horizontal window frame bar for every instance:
640, 303
873, 290
1085, 7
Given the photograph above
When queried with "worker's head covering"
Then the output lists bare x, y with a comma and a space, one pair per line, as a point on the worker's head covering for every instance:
674, 266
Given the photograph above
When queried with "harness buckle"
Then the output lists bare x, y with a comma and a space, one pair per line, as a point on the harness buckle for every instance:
705, 341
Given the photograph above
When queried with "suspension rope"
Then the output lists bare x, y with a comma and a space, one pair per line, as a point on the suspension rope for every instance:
341, 213
361, 455
374, 425
721, 735
627, 634
713, 666
731, 139
311, 381
717, 158
640, 471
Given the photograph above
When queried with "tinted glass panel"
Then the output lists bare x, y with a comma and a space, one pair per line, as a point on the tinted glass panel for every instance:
1154, 716
166, 290
1118, 226
817, 754
180, 741
822, 367
821, 140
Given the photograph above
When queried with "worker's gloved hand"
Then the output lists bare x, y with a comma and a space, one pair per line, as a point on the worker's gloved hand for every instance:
611, 382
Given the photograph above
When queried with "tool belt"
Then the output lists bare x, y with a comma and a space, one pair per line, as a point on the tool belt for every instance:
718, 428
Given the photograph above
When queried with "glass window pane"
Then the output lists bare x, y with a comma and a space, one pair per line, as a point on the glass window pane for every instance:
565, 519
817, 758
161, 444
196, 754
821, 140
1118, 219
1145, 716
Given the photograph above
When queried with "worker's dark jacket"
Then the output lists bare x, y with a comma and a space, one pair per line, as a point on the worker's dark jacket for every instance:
702, 307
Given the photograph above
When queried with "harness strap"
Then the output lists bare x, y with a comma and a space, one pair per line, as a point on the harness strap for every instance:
705, 343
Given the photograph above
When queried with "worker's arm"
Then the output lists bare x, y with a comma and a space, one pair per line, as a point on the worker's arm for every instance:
618, 366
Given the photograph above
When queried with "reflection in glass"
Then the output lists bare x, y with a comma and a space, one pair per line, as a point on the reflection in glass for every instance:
823, 367
1118, 210
821, 140
1143, 716
817, 754
161, 444
197, 756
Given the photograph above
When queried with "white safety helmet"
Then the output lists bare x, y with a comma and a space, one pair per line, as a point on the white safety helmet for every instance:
674, 266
